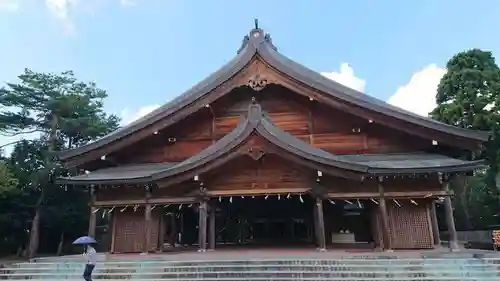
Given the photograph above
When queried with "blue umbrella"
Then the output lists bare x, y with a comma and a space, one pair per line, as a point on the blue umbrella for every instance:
84, 240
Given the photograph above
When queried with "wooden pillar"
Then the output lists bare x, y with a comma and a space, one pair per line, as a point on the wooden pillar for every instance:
211, 234
113, 232
147, 221
450, 220
384, 217
320, 225
435, 226
93, 211
202, 226
162, 231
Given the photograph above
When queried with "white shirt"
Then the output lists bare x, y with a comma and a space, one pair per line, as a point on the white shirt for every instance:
91, 255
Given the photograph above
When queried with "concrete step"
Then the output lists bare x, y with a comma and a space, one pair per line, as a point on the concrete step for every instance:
341, 269
202, 268
306, 279
145, 263
259, 274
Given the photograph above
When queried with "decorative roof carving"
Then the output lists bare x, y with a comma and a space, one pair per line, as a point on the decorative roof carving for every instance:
256, 152
257, 82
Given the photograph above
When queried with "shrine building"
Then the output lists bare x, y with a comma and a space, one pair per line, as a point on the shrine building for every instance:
268, 153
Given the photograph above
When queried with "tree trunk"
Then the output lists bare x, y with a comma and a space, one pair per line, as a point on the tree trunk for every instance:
61, 244
34, 232
35, 225
460, 203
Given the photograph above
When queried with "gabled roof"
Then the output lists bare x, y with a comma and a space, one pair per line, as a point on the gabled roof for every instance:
257, 122
259, 43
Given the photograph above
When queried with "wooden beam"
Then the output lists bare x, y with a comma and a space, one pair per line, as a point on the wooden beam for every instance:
450, 220
165, 200
320, 225
147, 222
202, 226
161, 231
434, 222
113, 233
386, 234
390, 195
93, 211
212, 230
250, 192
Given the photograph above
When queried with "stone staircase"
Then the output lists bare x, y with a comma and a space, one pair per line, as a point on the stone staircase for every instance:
250, 268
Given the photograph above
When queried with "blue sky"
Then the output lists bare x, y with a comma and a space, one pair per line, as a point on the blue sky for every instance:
144, 52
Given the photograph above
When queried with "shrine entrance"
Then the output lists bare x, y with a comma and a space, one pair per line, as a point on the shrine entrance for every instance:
265, 221
348, 223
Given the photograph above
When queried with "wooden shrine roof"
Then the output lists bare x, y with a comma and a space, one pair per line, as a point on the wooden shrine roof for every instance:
259, 43
257, 123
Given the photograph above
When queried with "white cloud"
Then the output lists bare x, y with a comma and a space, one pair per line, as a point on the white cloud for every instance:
128, 3
60, 9
346, 77
129, 116
419, 95
9, 5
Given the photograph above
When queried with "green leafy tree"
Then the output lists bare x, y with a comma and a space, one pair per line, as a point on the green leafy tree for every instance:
8, 183
468, 96
64, 112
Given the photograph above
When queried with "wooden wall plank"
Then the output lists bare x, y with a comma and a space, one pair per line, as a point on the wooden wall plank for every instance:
320, 125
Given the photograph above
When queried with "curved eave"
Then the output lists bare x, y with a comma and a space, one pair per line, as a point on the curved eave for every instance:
110, 181
257, 122
337, 90
463, 167
195, 93
263, 46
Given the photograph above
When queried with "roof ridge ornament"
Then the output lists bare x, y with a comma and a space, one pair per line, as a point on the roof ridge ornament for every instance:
256, 37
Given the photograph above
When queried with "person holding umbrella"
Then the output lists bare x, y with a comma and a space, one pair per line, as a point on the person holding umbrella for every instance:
90, 254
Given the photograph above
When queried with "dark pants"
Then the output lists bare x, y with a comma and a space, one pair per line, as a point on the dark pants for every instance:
87, 274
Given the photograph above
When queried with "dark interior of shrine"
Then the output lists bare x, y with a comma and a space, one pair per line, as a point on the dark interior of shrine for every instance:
275, 221
278, 220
